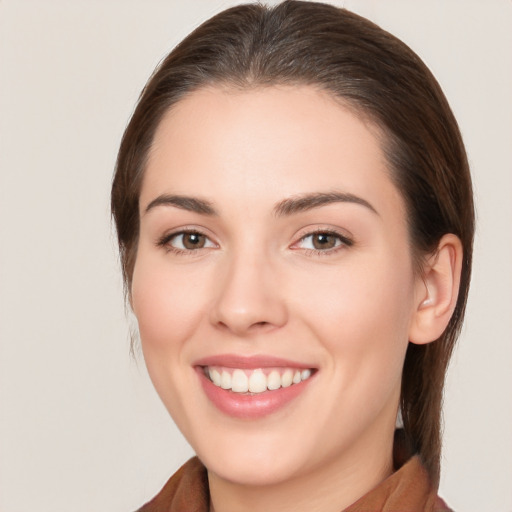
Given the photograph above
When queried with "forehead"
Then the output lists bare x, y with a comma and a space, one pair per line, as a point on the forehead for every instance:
266, 142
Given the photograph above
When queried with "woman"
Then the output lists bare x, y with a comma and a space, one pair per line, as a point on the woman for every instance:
294, 212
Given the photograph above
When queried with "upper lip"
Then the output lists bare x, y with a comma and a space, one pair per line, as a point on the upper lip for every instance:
248, 362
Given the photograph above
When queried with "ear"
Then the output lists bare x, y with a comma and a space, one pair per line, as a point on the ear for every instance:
437, 290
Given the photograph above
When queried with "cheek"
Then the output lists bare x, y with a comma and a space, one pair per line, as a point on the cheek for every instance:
361, 313
167, 303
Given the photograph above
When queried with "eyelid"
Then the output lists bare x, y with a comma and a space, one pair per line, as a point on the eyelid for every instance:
165, 239
345, 238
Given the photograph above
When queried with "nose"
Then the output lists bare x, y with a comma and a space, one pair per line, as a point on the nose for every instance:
249, 298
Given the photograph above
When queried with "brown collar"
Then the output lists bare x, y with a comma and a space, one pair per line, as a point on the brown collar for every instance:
406, 490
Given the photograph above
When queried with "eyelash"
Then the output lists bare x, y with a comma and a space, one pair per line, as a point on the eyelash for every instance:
165, 240
345, 242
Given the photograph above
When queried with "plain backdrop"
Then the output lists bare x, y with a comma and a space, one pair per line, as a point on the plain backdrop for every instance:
81, 428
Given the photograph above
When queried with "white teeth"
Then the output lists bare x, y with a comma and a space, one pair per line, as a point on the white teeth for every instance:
255, 381
225, 382
274, 380
239, 382
305, 374
287, 379
215, 377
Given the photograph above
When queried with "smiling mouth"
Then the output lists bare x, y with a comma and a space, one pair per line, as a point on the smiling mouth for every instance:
258, 380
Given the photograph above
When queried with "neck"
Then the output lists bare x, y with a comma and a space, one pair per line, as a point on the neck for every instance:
331, 487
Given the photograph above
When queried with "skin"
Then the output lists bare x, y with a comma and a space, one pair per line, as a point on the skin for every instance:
258, 287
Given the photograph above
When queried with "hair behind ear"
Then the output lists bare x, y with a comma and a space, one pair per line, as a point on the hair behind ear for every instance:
429, 351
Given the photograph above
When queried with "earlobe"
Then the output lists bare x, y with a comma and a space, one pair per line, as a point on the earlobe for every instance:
437, 291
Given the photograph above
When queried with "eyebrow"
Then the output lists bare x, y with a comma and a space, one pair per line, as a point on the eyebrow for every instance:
289, 206
191, 204
307, 202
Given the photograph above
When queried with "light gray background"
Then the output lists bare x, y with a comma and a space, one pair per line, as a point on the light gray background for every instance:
80, 427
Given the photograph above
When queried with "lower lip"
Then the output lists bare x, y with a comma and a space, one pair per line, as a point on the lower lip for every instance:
254, 406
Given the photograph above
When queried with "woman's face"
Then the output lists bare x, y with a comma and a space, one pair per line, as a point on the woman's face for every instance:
274, 261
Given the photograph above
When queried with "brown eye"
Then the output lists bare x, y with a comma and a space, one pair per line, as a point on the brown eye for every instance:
193, 241
187, 241
323, 241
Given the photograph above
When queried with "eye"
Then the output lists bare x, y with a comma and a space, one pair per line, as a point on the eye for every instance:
186, 241
323, 241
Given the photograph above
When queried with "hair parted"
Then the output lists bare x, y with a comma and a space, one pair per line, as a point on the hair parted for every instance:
376, 75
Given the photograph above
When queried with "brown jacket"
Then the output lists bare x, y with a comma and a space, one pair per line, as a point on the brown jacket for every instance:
406, 490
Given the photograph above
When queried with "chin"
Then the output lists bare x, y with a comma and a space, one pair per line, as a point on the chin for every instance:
254, 469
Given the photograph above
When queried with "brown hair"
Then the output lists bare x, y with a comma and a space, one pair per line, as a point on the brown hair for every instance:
376, 74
